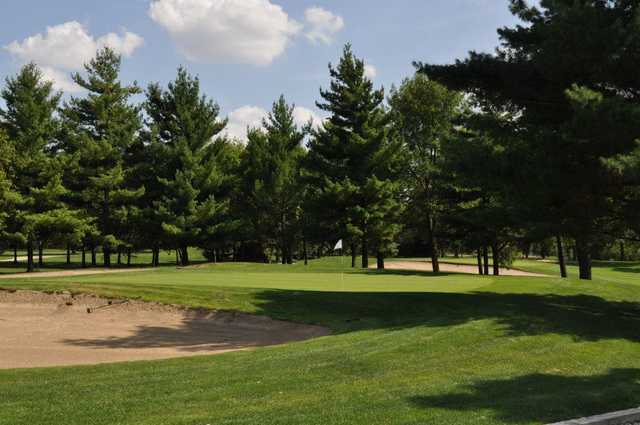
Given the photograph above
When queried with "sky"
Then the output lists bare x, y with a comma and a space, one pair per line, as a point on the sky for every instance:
246, 52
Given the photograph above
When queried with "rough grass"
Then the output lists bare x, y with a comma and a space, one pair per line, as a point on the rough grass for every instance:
408, 348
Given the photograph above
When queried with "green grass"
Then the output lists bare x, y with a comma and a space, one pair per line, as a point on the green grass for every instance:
56, 259
408, 348
606, 271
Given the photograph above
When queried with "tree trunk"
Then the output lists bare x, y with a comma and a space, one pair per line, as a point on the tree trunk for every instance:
480, 271
433, 243
583, 251
155, 257
84, 256
119, 256
30, 265
561, 259
304, 251
128, 257
365, 252
495, 251
106, 251
93, 256
15, 254
353, 255
40, 256
184, 251
485, 256
68, 254
380, 261
622, 254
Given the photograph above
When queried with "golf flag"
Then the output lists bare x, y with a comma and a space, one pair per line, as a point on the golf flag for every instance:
338, 245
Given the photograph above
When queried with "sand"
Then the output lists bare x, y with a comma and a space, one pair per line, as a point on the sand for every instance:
42, 330
452, 268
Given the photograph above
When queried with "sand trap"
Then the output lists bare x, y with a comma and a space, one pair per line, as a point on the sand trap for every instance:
452, 268
41, 330
67, 273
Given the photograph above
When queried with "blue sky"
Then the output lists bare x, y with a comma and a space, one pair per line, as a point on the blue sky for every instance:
247, 52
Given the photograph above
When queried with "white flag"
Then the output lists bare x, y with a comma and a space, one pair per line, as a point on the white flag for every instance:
338, 245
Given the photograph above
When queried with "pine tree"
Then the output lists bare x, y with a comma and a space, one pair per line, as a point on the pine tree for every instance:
183, 125
9, 198
101, 129
571, 60
271, 192
29, 119
350, 152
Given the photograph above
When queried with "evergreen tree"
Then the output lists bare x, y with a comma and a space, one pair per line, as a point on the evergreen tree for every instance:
101, 129
349, 153
481, 203
573, 61
9, 198
29, 119
183, 125
270, 167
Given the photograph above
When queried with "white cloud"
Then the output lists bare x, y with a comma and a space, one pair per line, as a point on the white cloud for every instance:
61, 80
67, 47
226, 31
370, 71
302, 116
243, 118
324, 25
252, 116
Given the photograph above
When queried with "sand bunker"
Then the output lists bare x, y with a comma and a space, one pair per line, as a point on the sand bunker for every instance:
41, 330
452, 268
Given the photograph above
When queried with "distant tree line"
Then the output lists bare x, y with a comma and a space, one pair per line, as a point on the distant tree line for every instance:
530, 150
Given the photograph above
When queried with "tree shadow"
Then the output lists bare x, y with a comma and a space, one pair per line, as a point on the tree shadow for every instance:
635, 269
543, 398
202, 331
582, 317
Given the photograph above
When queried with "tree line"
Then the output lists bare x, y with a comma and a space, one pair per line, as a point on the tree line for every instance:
533, 148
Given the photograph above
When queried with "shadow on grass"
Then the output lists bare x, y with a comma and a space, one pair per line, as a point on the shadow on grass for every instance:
627, 269
392, 272
53, 266
581, 317
542, 398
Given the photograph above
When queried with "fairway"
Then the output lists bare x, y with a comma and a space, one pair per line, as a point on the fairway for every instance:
201, 223
407, 348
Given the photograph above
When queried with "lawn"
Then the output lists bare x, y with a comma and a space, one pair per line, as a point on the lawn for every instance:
407, 348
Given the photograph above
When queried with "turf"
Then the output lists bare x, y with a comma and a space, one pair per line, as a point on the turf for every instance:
407, 348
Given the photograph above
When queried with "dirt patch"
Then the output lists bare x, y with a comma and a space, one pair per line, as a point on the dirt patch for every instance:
67, 273
42, 330
452, 268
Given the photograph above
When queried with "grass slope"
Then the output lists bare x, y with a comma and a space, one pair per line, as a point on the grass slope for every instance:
408, 348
